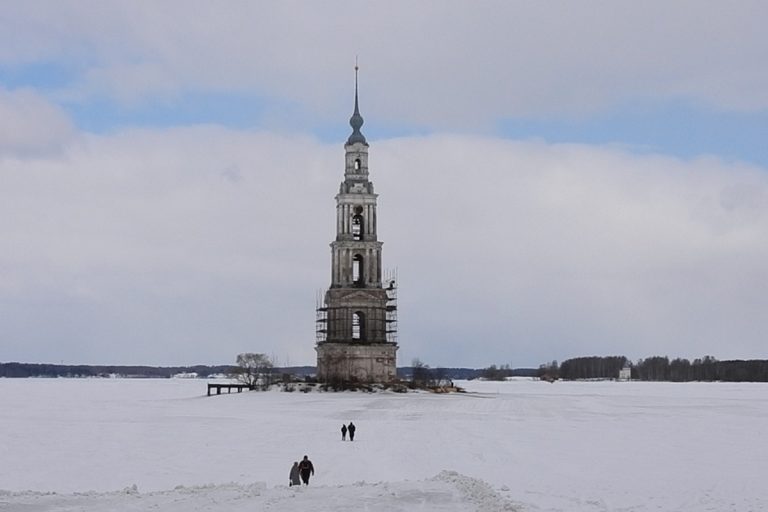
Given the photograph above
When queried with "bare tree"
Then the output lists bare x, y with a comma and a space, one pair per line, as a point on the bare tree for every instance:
494, 373
422, 374
440, 377
254, 370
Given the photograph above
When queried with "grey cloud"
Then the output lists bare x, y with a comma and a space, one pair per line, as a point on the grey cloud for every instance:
31, 126
438, 65
131, 248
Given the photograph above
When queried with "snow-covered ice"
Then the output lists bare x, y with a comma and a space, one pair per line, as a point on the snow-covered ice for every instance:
112, 444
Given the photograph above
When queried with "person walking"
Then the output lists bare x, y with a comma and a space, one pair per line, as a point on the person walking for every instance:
351, 430
294, 476
343, 432
305, 469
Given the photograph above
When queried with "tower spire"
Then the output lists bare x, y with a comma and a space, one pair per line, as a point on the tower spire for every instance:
357, 68
356, 121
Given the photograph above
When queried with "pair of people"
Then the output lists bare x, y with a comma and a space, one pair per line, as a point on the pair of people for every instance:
301, 470
350, 429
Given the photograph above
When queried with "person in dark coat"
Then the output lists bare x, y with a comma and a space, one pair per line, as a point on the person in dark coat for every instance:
294, 476
343, 432
305, 469
351, 430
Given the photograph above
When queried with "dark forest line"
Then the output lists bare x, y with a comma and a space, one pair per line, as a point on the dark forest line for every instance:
659, 368
21, 370
655, 368
82, 370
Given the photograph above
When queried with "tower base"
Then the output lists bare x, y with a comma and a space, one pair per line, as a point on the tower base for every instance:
339, 363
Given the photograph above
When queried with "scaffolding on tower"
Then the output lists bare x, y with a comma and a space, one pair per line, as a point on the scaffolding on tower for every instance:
390, 281
321, 318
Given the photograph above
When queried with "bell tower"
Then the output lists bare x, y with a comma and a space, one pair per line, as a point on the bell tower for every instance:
357, 322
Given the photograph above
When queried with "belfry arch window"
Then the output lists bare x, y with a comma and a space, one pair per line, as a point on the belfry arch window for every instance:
358, 325
357, 270
357, 227
357, 164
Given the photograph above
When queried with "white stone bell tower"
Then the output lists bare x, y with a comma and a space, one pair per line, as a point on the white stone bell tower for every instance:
357, 321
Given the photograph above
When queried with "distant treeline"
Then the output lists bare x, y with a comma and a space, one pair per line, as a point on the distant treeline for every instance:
491, 373
658, 368
203, 371
63, 370
654, 368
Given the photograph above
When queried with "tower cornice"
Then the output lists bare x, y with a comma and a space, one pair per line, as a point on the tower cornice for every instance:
356, 244
357, 197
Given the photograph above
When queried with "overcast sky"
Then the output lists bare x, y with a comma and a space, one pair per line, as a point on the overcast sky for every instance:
556, 179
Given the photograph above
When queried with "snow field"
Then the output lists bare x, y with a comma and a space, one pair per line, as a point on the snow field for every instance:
521, 445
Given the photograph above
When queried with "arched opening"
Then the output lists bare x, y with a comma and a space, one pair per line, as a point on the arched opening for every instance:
358, 325
357, 270
357, 227
357, 164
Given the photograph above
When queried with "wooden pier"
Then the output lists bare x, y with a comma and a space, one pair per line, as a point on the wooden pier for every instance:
228, 387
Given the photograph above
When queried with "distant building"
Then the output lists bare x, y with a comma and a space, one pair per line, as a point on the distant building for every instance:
357, 319
625, 373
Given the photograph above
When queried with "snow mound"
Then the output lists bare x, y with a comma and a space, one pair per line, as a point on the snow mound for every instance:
477, 492
447, 492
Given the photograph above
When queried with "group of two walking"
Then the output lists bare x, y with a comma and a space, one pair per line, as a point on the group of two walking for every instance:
301, 469
350, 429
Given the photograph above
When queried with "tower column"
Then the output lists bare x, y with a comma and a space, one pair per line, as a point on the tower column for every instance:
368, 226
